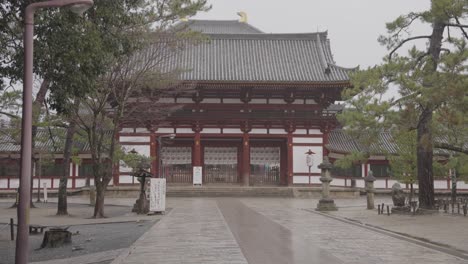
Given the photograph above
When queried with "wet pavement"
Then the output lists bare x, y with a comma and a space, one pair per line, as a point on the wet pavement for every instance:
254, 231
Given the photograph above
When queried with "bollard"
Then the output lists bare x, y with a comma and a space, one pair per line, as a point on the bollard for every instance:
445, 208
388, 210
453, 208
12, 229
464, 210
45, 192
458, 208
378, 209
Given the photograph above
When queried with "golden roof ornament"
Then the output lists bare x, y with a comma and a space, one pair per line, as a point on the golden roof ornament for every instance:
243, 16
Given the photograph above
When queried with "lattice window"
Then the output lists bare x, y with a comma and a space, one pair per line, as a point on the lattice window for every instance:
176, 155
221, 155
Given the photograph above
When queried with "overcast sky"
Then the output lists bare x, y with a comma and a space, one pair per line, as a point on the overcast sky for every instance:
353, 25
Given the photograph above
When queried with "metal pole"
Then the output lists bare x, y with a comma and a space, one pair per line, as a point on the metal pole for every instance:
22, 243
12, 229
160, 158
22, 239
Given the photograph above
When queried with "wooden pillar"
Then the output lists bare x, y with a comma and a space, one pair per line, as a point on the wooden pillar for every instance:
289, 147
197, 149
154, 154
245, 160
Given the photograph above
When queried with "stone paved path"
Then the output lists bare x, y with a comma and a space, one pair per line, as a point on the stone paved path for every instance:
257, 231
85, 259
193, 232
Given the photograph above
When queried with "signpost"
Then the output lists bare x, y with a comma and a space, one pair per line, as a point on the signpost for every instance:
310, 161
197, 175
157, 195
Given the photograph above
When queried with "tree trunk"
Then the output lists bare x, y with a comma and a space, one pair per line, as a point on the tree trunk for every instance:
67, 152
38, 102
424, 160
100, 195
424, 133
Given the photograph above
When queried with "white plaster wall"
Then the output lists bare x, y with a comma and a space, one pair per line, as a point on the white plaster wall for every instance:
338, 182
141, 130
300, 180
14, 183
299, 159
391, 182
232, 131
300, 132
211, 131
165, 130
125, 179
363, 170
184, 131
47, 182
258, 131
80, 183
232, 101
211, 101
379, 183
56, 183
278, 131
307, 140
127, 130
258, 101
315, 180
462, 185
360, 183
315, 132
310, 101
3, 183
142, 139
277, 101
440, 184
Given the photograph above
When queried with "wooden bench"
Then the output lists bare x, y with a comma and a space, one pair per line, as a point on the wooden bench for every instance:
36, 229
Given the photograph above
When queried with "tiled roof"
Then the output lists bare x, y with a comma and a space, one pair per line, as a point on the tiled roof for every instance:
45, 143
238, 52
220, 27
341, 142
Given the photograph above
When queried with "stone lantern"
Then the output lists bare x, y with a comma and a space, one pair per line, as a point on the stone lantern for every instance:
370, 179
326, 203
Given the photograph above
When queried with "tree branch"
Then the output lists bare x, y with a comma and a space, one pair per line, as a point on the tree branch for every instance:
447, 146
461, 28
403, 42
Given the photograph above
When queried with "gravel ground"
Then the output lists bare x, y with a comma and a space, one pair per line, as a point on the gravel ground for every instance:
87, 238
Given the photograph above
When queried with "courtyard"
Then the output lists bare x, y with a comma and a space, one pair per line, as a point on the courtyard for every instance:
249, 230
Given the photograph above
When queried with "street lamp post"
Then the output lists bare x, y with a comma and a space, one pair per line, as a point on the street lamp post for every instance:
78, 6
170, 136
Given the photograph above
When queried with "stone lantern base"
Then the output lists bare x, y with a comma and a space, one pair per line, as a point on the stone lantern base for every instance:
326, 204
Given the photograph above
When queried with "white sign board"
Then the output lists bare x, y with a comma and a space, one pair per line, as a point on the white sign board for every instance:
157, 195
197, 175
